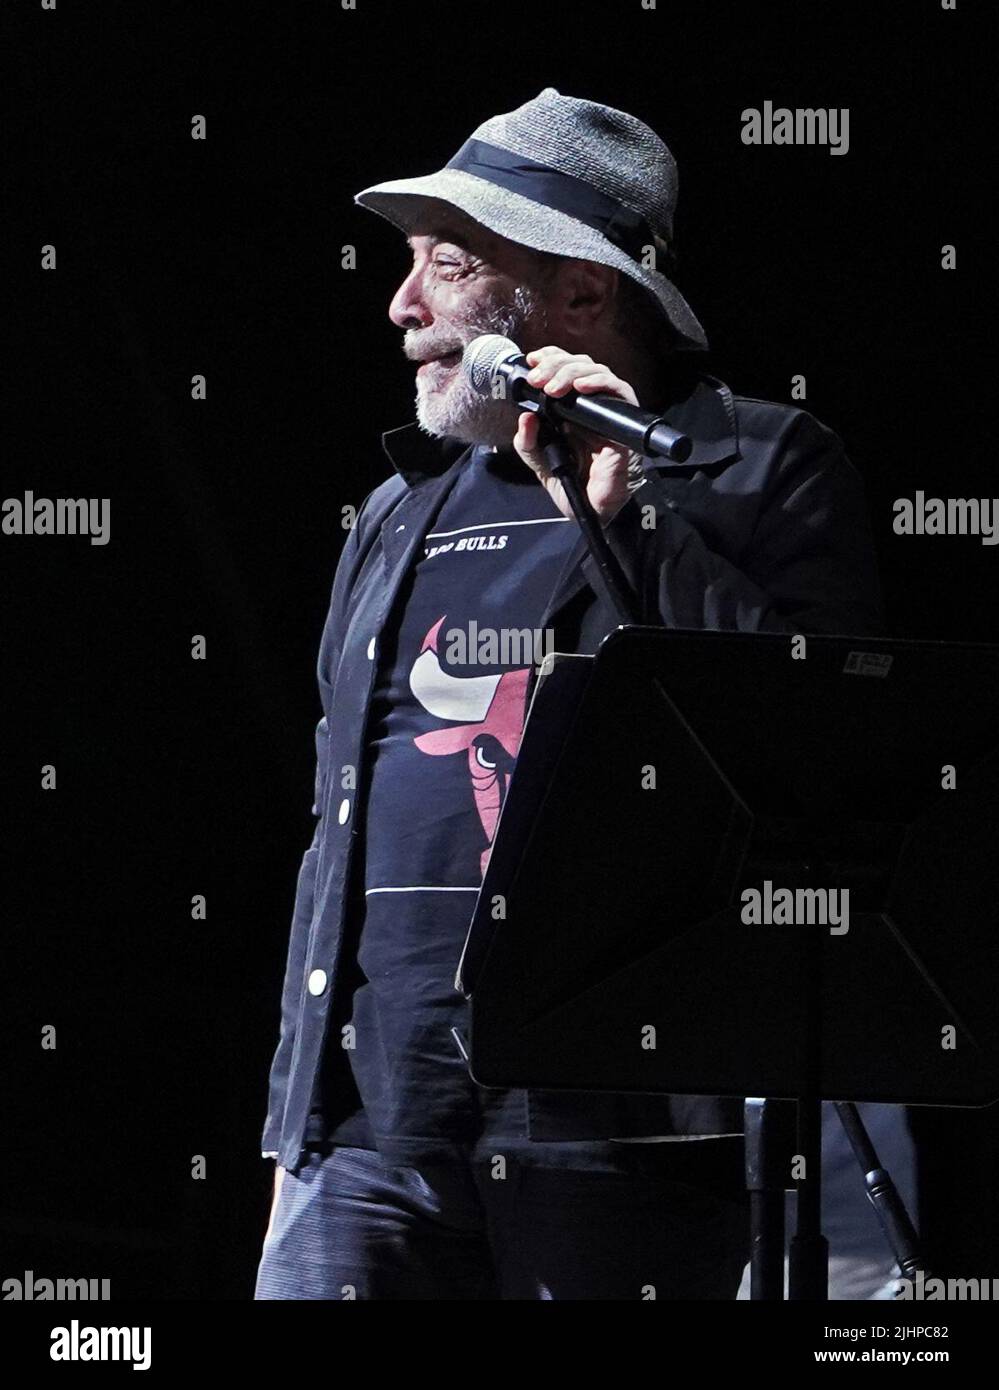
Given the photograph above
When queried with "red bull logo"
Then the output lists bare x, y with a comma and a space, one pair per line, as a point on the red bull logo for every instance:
491, 711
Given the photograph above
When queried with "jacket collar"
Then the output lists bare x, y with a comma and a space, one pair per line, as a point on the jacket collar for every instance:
704, 409
417, 456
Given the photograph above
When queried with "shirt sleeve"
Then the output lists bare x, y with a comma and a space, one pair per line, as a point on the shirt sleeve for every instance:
808, 565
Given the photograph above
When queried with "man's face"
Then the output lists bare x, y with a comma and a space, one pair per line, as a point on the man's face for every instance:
465, 280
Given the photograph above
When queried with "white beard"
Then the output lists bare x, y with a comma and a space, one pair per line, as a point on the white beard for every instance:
446, 402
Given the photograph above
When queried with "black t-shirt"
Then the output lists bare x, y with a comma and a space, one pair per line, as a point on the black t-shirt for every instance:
443, 734
445, 723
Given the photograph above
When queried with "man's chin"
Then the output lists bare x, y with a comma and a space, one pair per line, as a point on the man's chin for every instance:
475, 421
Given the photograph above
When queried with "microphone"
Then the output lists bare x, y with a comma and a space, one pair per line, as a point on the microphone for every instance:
492, 361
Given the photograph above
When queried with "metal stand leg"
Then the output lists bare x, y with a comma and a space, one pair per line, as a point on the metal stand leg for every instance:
769, 1146
808, 1265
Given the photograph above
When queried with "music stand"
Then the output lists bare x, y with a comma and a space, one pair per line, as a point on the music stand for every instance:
657, 782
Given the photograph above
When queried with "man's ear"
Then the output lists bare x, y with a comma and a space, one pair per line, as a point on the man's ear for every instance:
589, 293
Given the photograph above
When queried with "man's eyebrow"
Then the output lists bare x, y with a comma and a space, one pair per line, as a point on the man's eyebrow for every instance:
435, 238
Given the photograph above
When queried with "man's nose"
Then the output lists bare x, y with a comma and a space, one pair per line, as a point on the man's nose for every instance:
408, 308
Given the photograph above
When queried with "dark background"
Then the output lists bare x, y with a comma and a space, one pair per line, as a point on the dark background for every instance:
223, 257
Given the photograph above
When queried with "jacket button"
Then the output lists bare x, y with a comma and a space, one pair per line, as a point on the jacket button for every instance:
344, 810
371, 650
317, 981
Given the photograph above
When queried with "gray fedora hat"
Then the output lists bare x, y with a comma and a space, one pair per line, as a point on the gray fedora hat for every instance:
564, 175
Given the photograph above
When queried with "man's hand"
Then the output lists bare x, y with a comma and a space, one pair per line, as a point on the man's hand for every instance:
279, 1173
603, 465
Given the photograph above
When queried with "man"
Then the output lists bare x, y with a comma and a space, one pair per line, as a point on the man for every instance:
396, 1176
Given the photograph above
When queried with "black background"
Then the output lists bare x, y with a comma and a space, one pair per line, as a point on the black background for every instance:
223, 257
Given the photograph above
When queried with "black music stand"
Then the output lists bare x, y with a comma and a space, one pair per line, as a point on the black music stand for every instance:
623, 902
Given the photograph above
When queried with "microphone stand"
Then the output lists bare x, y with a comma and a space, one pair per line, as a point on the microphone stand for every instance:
562, 465
769, 1124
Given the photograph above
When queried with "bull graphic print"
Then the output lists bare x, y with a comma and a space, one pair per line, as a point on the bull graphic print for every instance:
491, 709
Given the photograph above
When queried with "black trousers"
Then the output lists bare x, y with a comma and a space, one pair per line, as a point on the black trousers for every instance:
348, 1225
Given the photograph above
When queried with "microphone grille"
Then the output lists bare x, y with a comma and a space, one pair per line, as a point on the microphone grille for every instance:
481, 358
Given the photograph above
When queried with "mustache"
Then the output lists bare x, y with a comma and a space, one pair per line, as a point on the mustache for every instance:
506, 319
422, 349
